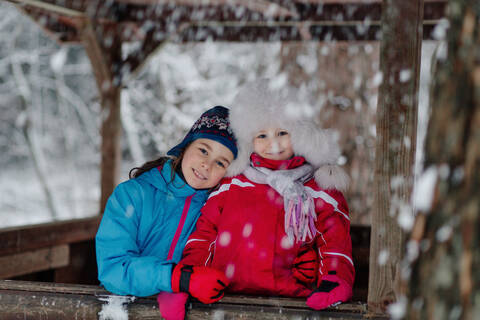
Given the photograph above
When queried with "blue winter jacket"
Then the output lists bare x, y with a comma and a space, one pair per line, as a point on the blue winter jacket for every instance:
143, 231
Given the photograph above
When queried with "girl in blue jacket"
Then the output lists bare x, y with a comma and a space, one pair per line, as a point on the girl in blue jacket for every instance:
148, 218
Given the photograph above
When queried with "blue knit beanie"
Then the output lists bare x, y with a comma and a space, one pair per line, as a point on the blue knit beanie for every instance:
213, 124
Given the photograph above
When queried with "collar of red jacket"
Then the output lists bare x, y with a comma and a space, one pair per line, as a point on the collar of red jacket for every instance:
258, 161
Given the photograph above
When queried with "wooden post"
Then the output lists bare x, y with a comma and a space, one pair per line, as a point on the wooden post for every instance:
104, 60
395, 148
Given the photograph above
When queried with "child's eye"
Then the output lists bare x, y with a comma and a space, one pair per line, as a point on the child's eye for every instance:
204, 151
283, 133
221, 164
261, 136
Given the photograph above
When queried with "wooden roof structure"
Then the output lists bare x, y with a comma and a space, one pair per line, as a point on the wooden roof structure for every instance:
153, 22
222, 20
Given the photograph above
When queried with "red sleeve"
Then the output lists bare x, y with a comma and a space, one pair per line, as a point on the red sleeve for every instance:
201, 243
333, 237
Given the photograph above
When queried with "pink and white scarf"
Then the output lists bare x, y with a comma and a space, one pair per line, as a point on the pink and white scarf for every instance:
299, 207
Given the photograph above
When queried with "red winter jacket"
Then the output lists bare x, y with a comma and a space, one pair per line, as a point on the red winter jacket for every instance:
241, 232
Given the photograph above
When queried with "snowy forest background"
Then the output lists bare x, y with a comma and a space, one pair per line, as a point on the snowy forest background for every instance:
50, 110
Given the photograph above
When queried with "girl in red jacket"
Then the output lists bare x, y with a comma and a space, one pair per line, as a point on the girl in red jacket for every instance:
279, 224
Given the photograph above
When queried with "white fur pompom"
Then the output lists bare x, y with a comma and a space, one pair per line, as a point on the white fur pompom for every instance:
332, 177
242, 161
318, 146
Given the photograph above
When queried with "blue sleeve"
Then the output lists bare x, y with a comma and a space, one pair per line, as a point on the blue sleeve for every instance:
121, 268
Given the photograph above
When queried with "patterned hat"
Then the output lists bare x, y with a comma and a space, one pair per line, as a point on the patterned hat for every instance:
213, 124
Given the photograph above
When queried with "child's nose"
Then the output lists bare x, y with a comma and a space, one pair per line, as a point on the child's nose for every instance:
206, 165
274, 146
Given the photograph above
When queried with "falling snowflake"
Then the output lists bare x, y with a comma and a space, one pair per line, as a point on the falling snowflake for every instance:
247, 230
397, 309
225, 238
230, 270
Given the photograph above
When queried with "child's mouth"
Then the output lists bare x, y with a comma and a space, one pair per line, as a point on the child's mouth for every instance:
198, 175
275, 153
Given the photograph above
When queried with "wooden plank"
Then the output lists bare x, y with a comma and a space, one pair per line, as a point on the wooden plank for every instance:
21, 239
252, 312
33, 261
32, 286
33, 300
32, 305
395, 147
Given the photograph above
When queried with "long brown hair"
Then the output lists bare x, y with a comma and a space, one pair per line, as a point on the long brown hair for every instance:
176, 163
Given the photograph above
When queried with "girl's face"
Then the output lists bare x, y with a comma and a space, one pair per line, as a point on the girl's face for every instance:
273, 143
205, 162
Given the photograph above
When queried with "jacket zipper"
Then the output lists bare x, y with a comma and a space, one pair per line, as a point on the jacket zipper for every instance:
186, 207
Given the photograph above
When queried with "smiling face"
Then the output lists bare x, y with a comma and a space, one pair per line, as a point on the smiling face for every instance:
205, 162
273, 143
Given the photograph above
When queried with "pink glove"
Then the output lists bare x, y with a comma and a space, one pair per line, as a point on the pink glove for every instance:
331, 291
172, 305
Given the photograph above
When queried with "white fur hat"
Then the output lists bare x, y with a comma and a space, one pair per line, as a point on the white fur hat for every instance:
258, 106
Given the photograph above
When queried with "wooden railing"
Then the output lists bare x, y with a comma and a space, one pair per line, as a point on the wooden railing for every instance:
61, 256
36, 300
31, 249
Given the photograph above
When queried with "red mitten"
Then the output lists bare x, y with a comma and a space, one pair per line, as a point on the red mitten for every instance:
305, 265
331, 291
204, 283
172, 305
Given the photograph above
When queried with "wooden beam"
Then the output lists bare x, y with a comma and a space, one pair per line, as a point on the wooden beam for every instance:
395, 147
34, 261
29, 300
150, 44
22, 239
60, 27
106, 60
51, 6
